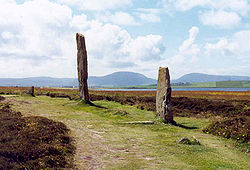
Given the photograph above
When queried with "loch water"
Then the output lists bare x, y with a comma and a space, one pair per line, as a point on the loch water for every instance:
181, 89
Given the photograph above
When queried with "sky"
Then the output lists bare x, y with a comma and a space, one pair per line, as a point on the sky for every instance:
37, 37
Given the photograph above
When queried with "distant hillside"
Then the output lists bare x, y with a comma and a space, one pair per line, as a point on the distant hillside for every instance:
121, 79
115, 80
199, 77
38, 81
111, 80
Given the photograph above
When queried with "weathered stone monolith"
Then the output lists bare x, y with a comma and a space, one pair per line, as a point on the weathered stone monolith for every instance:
82, 67
31, 91
163, 96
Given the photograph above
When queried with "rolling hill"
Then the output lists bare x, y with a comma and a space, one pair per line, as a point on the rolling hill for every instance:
199, 77
111, 80
38, 82
115, 80
121, 79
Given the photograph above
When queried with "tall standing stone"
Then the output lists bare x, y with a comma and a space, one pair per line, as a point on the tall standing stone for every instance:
31, 91
163, 96
82, 67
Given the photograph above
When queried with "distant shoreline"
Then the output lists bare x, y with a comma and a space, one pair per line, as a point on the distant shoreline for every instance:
175, 89
219, 84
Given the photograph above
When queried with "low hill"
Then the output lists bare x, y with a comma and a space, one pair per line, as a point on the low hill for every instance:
38, 82
199, 77
116, 79
111, 80
121, 79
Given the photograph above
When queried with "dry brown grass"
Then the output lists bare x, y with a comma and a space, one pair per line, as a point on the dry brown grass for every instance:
224, 95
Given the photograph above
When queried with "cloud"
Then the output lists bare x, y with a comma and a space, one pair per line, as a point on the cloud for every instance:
7, 35
188, 50
146, 48
228, 56
149, 17
106, 41
150, 10
37, 43
110, 42
219, 13
79, 21
189, 42
96, 5
121, 64
111, 48
222, 47
184, 5
149, 14
221, 19
30, 30
242, 70
237, 45
239, 6
118, 18
123, 18
185, 60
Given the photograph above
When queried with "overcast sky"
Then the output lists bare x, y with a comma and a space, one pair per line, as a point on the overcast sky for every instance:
37, 37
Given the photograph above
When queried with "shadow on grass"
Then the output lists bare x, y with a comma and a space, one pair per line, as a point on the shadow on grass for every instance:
91, 104
183, 126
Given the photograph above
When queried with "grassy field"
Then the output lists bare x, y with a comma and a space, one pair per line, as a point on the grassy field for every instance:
203, 84
226, 95
103, 141
246, 84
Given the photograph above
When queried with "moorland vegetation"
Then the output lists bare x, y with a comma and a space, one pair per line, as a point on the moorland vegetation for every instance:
219, 119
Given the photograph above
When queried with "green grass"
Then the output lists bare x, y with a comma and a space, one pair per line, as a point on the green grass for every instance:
229, 84
103, 142
204, 84
246, 84
152, 86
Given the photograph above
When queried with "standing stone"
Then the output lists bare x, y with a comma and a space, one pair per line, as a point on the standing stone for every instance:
163, 96
31, 91
82, 67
